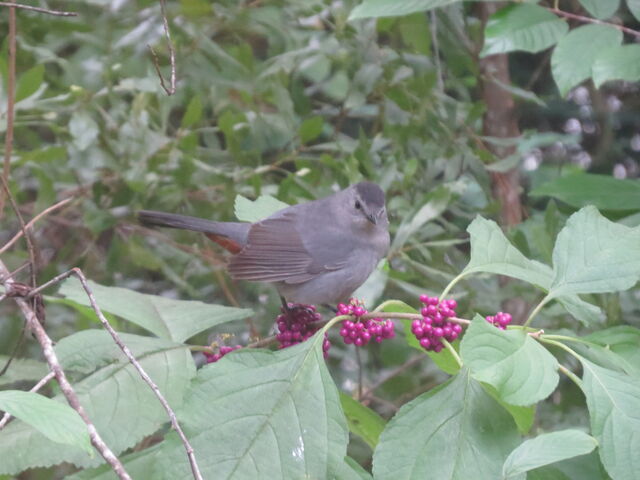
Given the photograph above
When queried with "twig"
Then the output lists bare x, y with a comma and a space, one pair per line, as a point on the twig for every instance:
11, 98
584, 19
172, 56
409, 316
132, 359
57, 13
7, 416
17, 236
394, 373
67, 390
436, 48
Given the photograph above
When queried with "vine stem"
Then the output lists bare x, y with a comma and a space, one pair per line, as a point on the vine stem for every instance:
536, 310
570, 375
452, 284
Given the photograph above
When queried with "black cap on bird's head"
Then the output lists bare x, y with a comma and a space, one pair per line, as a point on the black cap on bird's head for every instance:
370, 200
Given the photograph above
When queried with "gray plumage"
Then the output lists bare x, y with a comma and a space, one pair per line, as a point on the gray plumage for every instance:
315, 252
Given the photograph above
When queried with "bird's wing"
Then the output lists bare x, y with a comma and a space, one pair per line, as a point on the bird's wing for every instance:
275, 252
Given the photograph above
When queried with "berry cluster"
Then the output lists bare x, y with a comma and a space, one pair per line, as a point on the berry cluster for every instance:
434, 326
222, 351
297, 324
500, 320
360, 332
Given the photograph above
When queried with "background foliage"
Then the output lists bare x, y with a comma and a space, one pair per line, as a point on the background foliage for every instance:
295, 100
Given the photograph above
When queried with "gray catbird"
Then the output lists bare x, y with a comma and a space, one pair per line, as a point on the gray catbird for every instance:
315, 252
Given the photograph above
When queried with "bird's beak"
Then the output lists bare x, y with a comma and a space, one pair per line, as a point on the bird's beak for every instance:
372, 218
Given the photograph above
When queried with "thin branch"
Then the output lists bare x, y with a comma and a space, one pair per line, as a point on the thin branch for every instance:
436, 48
172, 56
394, 373
67, 390
47, 378
45, 212
132, 359
408, 316
11, 98
57, 13
584, 19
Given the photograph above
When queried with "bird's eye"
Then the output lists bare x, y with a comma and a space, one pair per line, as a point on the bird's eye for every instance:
358, 205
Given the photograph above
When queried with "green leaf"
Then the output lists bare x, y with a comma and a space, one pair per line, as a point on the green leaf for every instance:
255, 210
55, 420
523, 416
573, 57
83, 129
602, 191
594, 255
601, 8
623, 340
194, 112
617, 63
176, 320
546, 449
122, 407
634, 8
393, 8
311, 128
22, 370
613, 399
491, 252
362, 421
455, 431
137, 464
522, 371
524, 27
29, 82
261, 414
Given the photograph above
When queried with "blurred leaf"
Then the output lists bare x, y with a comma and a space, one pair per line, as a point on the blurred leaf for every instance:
594, 255
458, 416
83, 129
311, 129
575, 54
393, 8
634, 8
522, 371
29, 82
194, 112
617, 63
362, 421
122, 407
599, 8
623, 340
22, 370
138, 465
601, 191
351, 470
55, 420
613, 399
546, 449
176, 320
585, 312
524, 27
286, 406
255, 210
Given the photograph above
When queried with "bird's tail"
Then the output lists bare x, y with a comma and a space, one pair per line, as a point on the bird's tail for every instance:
235, 232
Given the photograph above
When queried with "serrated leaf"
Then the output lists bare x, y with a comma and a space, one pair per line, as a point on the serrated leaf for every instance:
601, 8
573, 57
546, 449
393, 8
22, 370
623, 340
362, 421
524, 27
585, 312
455, 431
522, 371
491, 252
137, 464
29, 82
255, 210
602, 191
617, 63
613, 399
122, 407
176, 320
285, 405
594, 255
55, 420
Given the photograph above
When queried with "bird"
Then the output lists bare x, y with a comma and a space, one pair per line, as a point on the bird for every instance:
317, 252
